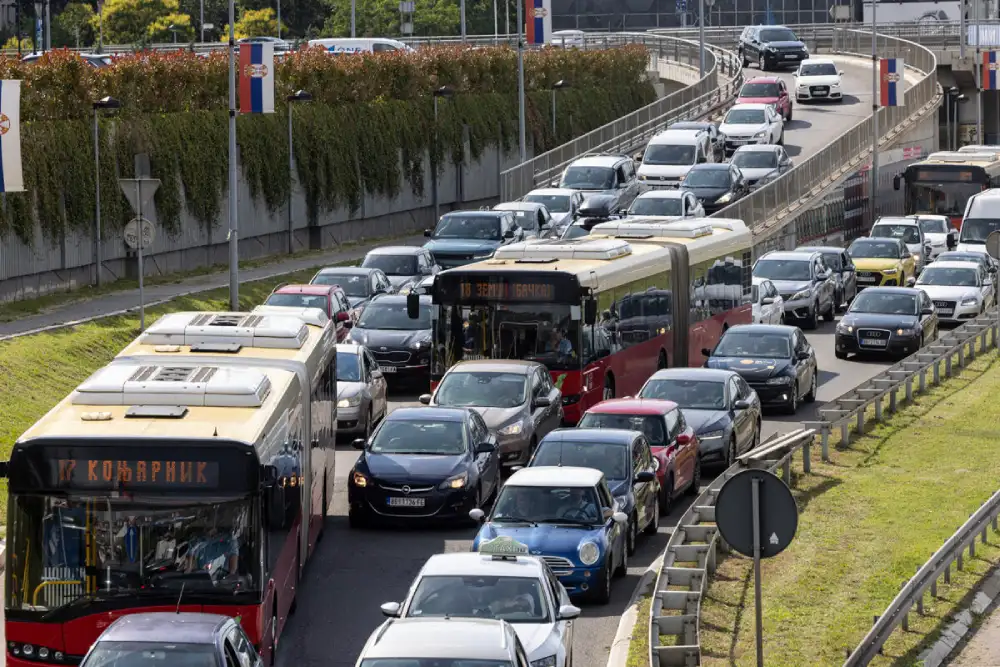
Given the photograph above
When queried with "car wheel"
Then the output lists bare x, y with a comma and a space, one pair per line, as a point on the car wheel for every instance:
667, 495
633, 534
731, 452
695, 486
812, 317
838, 300
781, 139
788, 119
793, 401
830, 314
840, 354
811, 396
366, 430
623, 566
653, 525
661, 363
601, 593
274, 634
762, 63
746, 61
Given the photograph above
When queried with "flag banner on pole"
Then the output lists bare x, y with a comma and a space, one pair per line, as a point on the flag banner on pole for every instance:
11, 176
539, 19
990, 64
891, 82
256, 78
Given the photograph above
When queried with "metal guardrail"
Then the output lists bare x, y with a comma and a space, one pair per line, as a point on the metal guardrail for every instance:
723, 79
690, 556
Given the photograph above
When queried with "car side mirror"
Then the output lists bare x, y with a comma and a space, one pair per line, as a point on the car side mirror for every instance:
391, 609
768, 300
644, 477
741, 405
706, 352
428, 232
477, 515
358, 443
343, 316
927, 311
682, 440
952, 242
413, 306
509, 234
993, 269
268, 475
619, 517
425, 399
702, 159
802, 356
568, 612
840, 72
850, 268
485, 448
541, 402
897, 182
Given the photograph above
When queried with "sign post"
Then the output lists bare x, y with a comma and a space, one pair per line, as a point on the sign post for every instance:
140, 232
762, 528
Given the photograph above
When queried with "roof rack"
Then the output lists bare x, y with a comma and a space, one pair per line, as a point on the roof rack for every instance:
261, 330
175, 385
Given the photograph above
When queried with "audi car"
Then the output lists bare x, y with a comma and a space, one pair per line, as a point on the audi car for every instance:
893, 321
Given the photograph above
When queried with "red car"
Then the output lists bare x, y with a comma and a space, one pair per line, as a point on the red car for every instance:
329, 298
767, 90
671, 440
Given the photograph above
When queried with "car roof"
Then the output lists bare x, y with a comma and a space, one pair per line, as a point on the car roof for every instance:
441, 638
467, 563
690, 125
488, 213
829, 249
953, 264
707, 374
495, 366
755, 106
187, 627
311, 288
711, 166
662, 194
519, 206
620, 437
896, 220
795, 255
763, 79
783, 329
552, 191
688, 136
555, 476
757, 148
912, 291
396, 250
633, 406
819, 61
872, 239
980, 257
425, 299
428, 413
348, 270
597, 161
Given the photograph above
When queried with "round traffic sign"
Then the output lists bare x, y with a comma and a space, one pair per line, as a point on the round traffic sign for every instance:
131, 233
993, 245
779, 516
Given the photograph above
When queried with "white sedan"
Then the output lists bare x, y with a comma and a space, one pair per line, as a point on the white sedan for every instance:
959, 290
747, 124
511, 586
768, 306
666, 205
818, 79
938, 230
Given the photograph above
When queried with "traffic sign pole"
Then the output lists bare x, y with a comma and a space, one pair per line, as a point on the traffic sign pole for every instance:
142, 291
139, 192
757, 595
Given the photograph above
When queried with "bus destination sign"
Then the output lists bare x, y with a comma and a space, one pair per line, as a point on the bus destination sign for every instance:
95, 473
487, 288
940, 175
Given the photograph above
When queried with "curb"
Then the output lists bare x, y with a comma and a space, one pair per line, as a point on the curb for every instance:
941, 650
618, 655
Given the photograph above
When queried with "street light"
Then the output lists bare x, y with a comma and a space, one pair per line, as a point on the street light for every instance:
953, 96
522, 141
297, 96
172, 28
107, 104
558, 85
443, 91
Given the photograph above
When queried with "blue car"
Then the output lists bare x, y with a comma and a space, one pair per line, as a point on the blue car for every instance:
567, 517
463, 237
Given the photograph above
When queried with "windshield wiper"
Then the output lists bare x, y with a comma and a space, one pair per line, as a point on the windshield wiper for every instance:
516, 519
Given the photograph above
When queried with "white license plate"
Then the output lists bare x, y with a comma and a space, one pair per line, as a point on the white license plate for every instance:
945, 311
406, 502
867, 280
387, 369
790, 57
874, 342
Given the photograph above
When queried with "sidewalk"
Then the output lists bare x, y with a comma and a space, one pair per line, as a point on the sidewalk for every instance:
115, 303
983, 648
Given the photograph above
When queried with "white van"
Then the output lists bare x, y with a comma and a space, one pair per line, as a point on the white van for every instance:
669, 156
338, 46
982, 216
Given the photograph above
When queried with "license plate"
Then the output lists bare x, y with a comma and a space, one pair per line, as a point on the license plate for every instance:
945, 311
866, 280
793, 57
820, 94
387, 369
406, 502
874, 342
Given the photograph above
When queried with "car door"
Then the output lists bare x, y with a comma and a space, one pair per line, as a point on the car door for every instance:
784, 103
741, 426
645, 492
379, 386
753, 412
778, 306
684, 457
764, 308
554, 417
806, 365
560, 598
928, 323
784, 162
909, 269
850, 277
488, 464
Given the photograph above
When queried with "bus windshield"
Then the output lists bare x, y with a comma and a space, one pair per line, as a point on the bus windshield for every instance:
975, 230
940, 198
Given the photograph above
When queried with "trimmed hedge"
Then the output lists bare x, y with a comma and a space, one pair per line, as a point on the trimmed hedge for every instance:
367, 110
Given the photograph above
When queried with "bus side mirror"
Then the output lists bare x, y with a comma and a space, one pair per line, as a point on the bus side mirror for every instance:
3, 469
268, 476
413, 306
896, 182
590, 312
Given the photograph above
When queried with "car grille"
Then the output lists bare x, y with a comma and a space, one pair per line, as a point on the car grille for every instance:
412, 489
819, 91
945, 306
558, 564
392, 357
869, 278
866, 336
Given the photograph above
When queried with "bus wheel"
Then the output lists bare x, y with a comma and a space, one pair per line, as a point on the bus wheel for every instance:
661, 363
609, 388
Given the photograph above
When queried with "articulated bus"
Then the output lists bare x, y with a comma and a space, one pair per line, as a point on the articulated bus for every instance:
602, 312
943, 182
191, 473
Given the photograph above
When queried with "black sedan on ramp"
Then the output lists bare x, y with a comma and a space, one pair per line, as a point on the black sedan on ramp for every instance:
887, 320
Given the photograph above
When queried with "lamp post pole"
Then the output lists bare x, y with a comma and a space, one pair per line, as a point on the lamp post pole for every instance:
103, 103
234, 247
522, 140
873, 176
298, 96
558, 85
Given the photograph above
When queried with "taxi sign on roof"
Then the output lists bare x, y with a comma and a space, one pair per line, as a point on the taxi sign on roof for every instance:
503, 546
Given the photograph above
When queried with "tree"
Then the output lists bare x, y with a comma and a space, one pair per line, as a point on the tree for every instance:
138, 21
76, 20
380, 18
255, 23
164, 28
27, 45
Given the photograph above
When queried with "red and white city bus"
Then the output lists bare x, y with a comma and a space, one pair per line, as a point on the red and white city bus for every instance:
603, 312
191, 473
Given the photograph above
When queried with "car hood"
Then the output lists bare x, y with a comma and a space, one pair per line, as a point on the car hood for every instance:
461, 245
388, 338
498, 417
751, 368
346, 389
709, 194
879, 320
702, 420
742, 129
875, 264
757, 100
971, 247
949, 292
410, 468
560, 219
533, 637
399, 281
667, 170
785, 45
757, 174
824, 80
936, 238
544, 539
790, 287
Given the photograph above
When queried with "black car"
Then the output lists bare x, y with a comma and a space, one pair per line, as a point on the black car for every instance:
844, 274
360, 285
719, 405
887, 320
775, 360
402, 264
771, 47
594, 210
400, 344
716, 185
424, 463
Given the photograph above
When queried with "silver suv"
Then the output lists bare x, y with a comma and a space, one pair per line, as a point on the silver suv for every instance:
805, 283
605, 174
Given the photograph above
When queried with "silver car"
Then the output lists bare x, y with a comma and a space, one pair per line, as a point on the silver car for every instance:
361, 391
516, 399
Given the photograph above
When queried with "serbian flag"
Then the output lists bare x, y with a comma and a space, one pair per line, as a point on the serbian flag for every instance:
990, 65
256, 78
891, 82
11, 176
539, 15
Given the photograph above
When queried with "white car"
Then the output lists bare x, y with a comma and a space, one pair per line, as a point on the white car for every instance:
768, 305
510, 586
959, 290
534, 218
444, 641
666, 205
761, 164
752, 124
561, 203
938, 230
818, 79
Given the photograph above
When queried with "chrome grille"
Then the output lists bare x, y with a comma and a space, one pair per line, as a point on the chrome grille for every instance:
819, 90
558, 564
399, 489
391, 356
945, 305
873, 334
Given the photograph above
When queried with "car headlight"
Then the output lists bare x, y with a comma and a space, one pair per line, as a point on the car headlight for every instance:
804, 294
970, 301
589, 553
890, 272
512, 429
457, 482
724, 198
548, 661
359, 479
770, 48
642, 177
712, 435
917, 257
906, 331
845, 328
760, 135
350, 401
784, 379
420, 344
803, 88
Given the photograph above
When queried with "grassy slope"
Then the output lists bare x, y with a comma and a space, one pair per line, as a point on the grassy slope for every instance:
871, 517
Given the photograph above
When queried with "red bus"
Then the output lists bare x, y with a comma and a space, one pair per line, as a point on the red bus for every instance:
604, 311
190, 473
943, 183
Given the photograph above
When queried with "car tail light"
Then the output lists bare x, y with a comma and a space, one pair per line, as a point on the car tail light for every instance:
683, 439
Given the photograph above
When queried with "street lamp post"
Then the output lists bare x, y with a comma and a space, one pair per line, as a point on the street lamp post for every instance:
443, 91
297, 96
105, 103
354, 11
522, 141
38, 37
558, 85
173, 29
873, 176
953, 97
234, 244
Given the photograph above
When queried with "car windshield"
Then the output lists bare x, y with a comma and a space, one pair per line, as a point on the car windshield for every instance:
432, 662
419, 436
782, 269
649, 425
759, 89
527, 220
707, 178
975, 230
666, 154
392, 265
574, 232
884, 303
939, 275
588, 178
688, 394
481, 390
906, 233
455, 226
745, 117
555, 203
353, 284
348, 367
753, 344
862, 249
393, 317
513, 599
299, 301
832, 261
818, 69
933, 226
656, 206
978, 258
545, 504
778, 35
146, 654
755, 159
609, 459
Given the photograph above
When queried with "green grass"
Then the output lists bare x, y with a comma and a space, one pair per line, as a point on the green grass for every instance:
638, 646
870, 518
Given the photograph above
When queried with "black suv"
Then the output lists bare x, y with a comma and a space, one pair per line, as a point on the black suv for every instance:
771, 47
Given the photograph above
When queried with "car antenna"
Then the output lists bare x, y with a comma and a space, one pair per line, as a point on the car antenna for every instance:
180, 597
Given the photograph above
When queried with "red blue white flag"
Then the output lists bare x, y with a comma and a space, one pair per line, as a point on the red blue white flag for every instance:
539, 23
11, 175
990, 64
257, 78
891, 86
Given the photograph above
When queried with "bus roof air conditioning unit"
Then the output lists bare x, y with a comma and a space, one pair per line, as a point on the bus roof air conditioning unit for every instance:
197, 386
215, 329
584, 248
730, 224
652, 230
